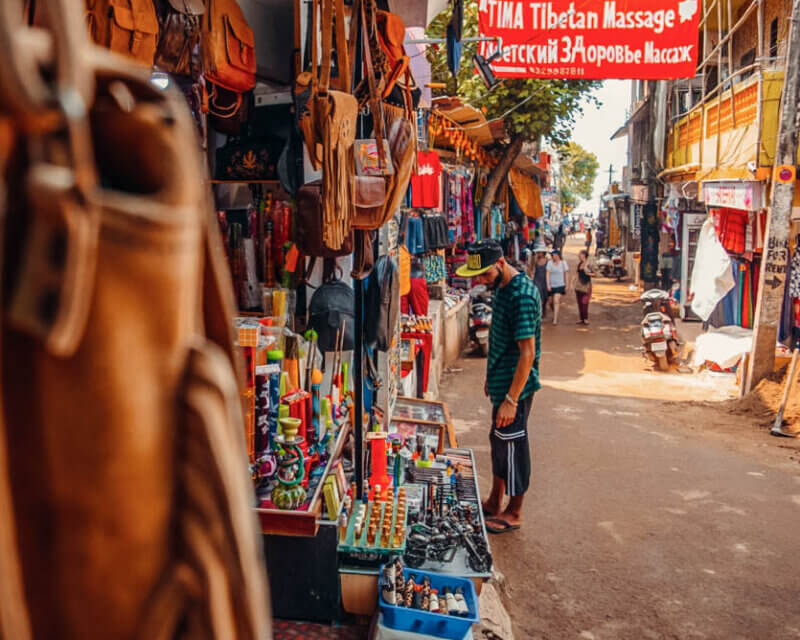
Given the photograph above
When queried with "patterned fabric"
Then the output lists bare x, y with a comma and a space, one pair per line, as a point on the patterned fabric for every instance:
516, 315
435, 268
794, 278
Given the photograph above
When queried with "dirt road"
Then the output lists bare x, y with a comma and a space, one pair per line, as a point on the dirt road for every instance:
645, 519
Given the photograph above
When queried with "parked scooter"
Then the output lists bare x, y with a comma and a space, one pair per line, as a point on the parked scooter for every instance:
609, 263
480, 317
660, 341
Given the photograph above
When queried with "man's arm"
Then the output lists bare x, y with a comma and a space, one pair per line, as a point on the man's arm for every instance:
527, 354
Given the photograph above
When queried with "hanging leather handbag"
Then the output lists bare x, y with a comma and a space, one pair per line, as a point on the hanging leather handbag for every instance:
228, 52
125, 503
129, 27
382, 305
336, 113
179, 22
403, 148
370, 202
308, 225
363, 255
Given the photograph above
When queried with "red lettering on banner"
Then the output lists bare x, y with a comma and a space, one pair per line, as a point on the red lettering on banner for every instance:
592, 39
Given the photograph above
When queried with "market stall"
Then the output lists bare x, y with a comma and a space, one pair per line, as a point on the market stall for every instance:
331, 223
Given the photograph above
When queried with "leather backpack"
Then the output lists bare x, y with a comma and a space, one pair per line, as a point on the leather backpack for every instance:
125, 503
179, 22
227, 45
129, 27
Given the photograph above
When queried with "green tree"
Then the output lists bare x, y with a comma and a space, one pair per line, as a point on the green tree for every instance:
531, 109
578, 173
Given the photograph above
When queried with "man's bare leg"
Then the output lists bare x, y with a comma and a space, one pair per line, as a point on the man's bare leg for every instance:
513, 513
493, 505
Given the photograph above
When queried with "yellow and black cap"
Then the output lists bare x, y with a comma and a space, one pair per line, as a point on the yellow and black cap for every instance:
481, 256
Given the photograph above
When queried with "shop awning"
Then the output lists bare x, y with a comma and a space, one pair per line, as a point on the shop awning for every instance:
527, 193
470, 119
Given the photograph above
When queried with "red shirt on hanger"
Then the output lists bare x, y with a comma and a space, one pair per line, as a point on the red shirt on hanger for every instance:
426, 182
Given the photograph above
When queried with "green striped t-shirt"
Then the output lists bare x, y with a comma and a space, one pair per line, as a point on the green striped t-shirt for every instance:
516, 315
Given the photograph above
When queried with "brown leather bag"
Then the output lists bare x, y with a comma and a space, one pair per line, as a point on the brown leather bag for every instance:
336, 113
129, 27
228, 51
370, 202
179, 22
124, 498
309, 224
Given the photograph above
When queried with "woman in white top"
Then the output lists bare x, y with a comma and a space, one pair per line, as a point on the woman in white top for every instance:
557, 270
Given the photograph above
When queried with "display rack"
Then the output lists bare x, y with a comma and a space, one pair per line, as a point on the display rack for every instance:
303, 522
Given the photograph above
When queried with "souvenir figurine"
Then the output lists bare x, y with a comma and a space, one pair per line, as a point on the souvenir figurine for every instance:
289, 493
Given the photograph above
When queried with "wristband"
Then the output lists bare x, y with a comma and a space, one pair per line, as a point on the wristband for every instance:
511, 401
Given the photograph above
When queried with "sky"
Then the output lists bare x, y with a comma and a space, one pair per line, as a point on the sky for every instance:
594, 130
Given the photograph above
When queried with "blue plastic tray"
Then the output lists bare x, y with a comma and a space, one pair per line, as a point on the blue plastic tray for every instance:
436, 625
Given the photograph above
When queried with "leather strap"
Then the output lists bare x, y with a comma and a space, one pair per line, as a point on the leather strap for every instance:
374, 97
327, 47
344, 81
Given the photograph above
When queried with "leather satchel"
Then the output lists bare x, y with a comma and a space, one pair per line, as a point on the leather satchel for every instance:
129, 27
228, 51
124, 497
179, 22
370, 202
308, 226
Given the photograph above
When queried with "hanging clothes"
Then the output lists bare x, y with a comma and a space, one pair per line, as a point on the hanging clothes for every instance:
711, 276
426, 182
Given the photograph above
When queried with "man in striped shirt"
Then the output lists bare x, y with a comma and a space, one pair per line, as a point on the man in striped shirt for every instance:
512, 377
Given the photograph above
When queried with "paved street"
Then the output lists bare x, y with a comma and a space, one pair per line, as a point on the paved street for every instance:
645, 519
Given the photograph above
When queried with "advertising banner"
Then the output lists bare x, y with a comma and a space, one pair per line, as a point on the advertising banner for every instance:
748, 196
591, 39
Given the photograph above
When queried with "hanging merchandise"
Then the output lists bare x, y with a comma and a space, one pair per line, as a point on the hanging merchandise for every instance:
248, 158
794, 280
132, 368
382, 305
711, 275
650, 243
330, 311
129, 27
426, 182
310, 224
453, 51
228, 52
179, 23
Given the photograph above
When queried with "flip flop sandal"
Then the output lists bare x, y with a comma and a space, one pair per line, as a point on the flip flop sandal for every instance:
504, 527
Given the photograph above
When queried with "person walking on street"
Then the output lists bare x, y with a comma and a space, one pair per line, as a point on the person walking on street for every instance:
512, 378
588, 239
583, 286
539, 276
557, 270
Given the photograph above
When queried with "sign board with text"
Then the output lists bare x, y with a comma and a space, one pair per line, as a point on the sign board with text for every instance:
591, 39
747, 196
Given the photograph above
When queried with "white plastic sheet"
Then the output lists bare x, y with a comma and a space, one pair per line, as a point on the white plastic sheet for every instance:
711, 275
724, 346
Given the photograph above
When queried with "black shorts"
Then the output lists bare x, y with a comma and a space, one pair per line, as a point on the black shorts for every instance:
511, 457
561, 290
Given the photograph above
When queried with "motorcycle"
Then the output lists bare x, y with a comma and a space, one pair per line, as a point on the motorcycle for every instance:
480, 317
660, 342
609, 263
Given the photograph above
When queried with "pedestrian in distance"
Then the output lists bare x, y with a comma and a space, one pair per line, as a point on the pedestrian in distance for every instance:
588, 239
583, 286
538, 273
512, 378
557, 270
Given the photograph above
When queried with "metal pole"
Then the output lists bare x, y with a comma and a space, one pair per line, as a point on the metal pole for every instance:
776, 250
358, 386
444, 40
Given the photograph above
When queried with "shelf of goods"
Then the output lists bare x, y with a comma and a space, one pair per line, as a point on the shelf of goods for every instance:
359, 584
303, 522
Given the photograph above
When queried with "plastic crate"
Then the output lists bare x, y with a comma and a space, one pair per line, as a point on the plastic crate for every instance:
436, 625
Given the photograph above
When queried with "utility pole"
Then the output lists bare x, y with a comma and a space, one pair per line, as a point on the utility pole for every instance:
610, 174
775, 259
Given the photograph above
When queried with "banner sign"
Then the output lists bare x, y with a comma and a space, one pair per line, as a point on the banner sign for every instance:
591, 39
748, 196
